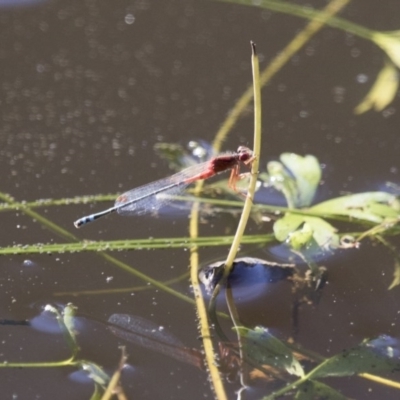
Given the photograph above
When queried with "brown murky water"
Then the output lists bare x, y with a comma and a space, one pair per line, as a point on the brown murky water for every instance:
89, 87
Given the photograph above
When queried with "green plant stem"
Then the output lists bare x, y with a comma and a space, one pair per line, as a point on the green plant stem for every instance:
278, 62
118, 245
57, 202
254, 167
380, 380
66, 363
113, 386
204, 327
253, 181
46, 222
250, 193
120, 290
147, 278
233, 313
309, 13
203, 200
67, 235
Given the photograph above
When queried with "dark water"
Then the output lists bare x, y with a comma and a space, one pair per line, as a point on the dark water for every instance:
89, 87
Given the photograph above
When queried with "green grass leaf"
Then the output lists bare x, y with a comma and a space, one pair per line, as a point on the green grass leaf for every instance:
264, 348
372, 356
311, 390
368, 206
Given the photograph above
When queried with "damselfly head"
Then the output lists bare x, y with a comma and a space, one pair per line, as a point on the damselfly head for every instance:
244, 153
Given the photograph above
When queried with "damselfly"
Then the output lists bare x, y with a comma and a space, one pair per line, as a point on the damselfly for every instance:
146, 198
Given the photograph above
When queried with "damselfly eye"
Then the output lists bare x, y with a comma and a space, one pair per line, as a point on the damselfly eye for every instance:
244, 153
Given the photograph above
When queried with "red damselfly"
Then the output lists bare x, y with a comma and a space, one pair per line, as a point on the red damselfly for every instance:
146, 198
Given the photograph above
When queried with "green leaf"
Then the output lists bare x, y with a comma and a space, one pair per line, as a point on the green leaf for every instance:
297, 177
369, 206
98, 392
396, 279
282, 181
266, 349
300, 230
301, 237
307, 173
373, 356
68, 316
286, 225
65, 322
313, 390
390, 43
96, 373
382, 92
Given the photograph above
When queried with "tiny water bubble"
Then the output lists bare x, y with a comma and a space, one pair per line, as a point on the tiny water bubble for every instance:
362, 78
28, 263
304, 114
355, 52
388, 112
129, 19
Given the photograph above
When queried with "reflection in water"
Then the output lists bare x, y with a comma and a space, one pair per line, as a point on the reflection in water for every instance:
147, 334
46, 322
19, 3
314, 253
178, 157
81, 377
385, 346
14, 322
250, 277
